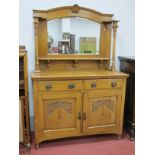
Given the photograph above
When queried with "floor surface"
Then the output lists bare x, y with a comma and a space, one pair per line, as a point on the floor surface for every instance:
89, 145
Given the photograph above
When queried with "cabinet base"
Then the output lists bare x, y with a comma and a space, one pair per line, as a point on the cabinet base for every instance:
118, 136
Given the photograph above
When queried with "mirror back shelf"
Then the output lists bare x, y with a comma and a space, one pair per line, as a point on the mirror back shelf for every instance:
72, 38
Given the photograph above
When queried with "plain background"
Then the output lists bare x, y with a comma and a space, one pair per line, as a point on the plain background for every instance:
145, 77
123, 10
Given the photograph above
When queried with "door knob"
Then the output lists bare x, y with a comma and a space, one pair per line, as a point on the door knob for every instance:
113, 84
93, 85
48, 86
71, 86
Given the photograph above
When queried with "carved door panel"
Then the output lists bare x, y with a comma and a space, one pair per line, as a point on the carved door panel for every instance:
102, 111
58, 114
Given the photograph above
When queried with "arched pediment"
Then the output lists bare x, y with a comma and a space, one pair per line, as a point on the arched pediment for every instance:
73, 11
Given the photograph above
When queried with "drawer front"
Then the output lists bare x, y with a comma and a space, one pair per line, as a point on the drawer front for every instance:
59, 85
104, 83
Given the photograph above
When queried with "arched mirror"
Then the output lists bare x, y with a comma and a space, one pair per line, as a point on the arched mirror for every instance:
72, 32
73, 35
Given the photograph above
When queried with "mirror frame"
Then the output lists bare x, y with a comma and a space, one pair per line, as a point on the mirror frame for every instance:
41, 17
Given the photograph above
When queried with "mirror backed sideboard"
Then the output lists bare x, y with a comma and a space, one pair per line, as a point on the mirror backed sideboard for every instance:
76, 88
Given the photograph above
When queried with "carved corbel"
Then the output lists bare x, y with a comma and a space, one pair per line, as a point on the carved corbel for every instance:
101, 64
75, 62
48, 63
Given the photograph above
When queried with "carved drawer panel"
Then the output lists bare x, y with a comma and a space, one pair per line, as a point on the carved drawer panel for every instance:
103, 83
59, 85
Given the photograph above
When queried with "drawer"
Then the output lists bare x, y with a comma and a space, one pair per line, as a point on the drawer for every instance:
102, 83
59, 85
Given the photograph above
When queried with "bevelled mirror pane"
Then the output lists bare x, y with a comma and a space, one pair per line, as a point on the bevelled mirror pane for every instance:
73, 35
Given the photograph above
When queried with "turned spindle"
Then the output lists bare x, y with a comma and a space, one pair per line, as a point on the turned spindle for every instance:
36, 22
114, 26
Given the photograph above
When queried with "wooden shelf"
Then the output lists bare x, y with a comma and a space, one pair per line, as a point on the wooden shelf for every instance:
76, 59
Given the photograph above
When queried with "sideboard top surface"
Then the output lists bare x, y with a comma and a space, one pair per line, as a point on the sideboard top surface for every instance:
77, 74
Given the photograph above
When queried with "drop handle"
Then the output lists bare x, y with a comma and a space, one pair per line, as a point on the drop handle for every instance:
48, 86
84, 116
93, 85
113, 84
71, 86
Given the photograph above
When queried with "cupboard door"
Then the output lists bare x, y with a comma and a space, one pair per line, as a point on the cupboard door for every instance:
59, 114
103, 111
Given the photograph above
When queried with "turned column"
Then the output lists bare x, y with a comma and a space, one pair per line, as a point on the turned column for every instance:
114, 26
36, 22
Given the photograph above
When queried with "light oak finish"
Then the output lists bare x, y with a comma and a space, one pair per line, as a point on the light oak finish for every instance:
41, 17
71, 58
59, 85
102, 109
64, 112
76, 95
58, 114
67, 11
36, 24
103, 83
114, 26
77, 74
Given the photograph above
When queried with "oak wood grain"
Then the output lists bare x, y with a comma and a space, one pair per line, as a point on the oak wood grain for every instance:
76, 95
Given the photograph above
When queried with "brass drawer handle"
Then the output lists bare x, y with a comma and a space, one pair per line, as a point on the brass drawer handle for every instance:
84, 116
71, 86
48, 86
79, 115
93, 85
113, 84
